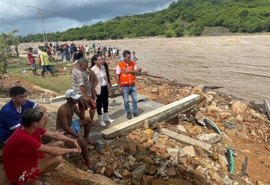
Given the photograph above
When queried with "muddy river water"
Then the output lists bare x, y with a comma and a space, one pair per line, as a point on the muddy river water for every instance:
241, 64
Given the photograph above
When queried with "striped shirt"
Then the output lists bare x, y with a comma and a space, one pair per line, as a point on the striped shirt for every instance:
80, 78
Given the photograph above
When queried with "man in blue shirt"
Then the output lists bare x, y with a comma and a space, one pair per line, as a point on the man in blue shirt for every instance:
11, 112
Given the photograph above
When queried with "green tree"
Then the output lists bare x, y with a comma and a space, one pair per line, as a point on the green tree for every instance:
6, 41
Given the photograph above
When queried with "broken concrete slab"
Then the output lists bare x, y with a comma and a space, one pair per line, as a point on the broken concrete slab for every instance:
163, 113
267, 108
58, 99
185, 139
210, 138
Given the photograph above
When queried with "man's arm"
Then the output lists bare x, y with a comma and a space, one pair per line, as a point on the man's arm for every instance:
41, 108
118, 71
56, 150
118, 83
135, 71
91, 80
60, 137
80, 112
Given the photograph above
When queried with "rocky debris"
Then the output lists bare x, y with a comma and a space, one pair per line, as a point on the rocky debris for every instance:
147, 154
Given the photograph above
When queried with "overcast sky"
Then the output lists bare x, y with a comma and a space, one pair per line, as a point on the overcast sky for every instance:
60, 15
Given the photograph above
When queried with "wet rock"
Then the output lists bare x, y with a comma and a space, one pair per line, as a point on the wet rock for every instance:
229, 125
118, 174
126, 173
181, 128
189, 150
227, 180
102, 171
212, 109
238, 107
171, 171
174, 152
109, 171
210, 138
199, 176
133, 137
195, 130
132, 147
118, 152
158, 144
143, 139
223, 162
200, 117
138, 173
215, 177
260, 183
152, 170
131, 161
155, 90
224, 115
148, 144
146, 180
182, 169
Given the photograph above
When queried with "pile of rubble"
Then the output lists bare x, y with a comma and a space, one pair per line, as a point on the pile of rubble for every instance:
213, 157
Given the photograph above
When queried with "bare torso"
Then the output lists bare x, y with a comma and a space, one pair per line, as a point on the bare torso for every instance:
64, 115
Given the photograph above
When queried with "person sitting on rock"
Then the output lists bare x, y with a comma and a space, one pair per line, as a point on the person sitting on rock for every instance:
70, 126
11, 112
21, 159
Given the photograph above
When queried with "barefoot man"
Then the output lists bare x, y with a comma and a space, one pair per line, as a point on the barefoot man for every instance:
71, 126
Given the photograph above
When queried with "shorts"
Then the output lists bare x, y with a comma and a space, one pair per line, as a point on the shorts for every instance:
75, 126
33, 66
29, 176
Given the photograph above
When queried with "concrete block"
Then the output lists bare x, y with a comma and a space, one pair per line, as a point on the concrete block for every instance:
163, 113
185, 139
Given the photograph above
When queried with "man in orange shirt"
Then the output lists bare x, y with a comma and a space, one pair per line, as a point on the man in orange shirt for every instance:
126, 71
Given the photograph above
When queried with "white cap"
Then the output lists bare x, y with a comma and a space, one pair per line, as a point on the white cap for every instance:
70, 93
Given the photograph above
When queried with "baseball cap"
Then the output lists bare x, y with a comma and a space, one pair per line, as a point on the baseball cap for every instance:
70, 93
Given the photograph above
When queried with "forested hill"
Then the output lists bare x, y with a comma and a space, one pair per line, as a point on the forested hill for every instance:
184, 17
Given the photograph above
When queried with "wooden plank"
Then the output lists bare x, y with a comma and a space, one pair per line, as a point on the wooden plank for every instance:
185, 139
267, 108
163, 113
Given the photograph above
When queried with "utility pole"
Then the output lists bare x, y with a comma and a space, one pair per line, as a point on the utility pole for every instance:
3, 20
41, 16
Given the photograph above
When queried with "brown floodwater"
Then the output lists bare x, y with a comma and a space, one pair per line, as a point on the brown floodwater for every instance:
241, 64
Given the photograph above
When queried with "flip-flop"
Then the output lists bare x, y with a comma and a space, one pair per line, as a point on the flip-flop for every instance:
91, 142
91, 169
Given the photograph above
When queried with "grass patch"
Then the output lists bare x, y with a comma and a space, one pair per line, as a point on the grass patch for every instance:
58, 84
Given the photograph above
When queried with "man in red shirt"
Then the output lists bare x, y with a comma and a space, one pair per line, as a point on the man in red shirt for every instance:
22, 150
32, 61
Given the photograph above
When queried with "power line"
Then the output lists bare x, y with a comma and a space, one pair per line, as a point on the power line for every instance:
41, 16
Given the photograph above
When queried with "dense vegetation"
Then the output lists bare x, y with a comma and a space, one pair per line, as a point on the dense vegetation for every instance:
184, 17
6, 41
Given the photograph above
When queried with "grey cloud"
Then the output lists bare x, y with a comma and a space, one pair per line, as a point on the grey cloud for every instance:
64, 14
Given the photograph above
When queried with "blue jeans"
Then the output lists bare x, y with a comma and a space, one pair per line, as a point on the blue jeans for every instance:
45, 68
130, 90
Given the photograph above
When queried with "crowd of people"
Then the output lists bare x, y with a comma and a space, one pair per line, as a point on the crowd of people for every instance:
23, 122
